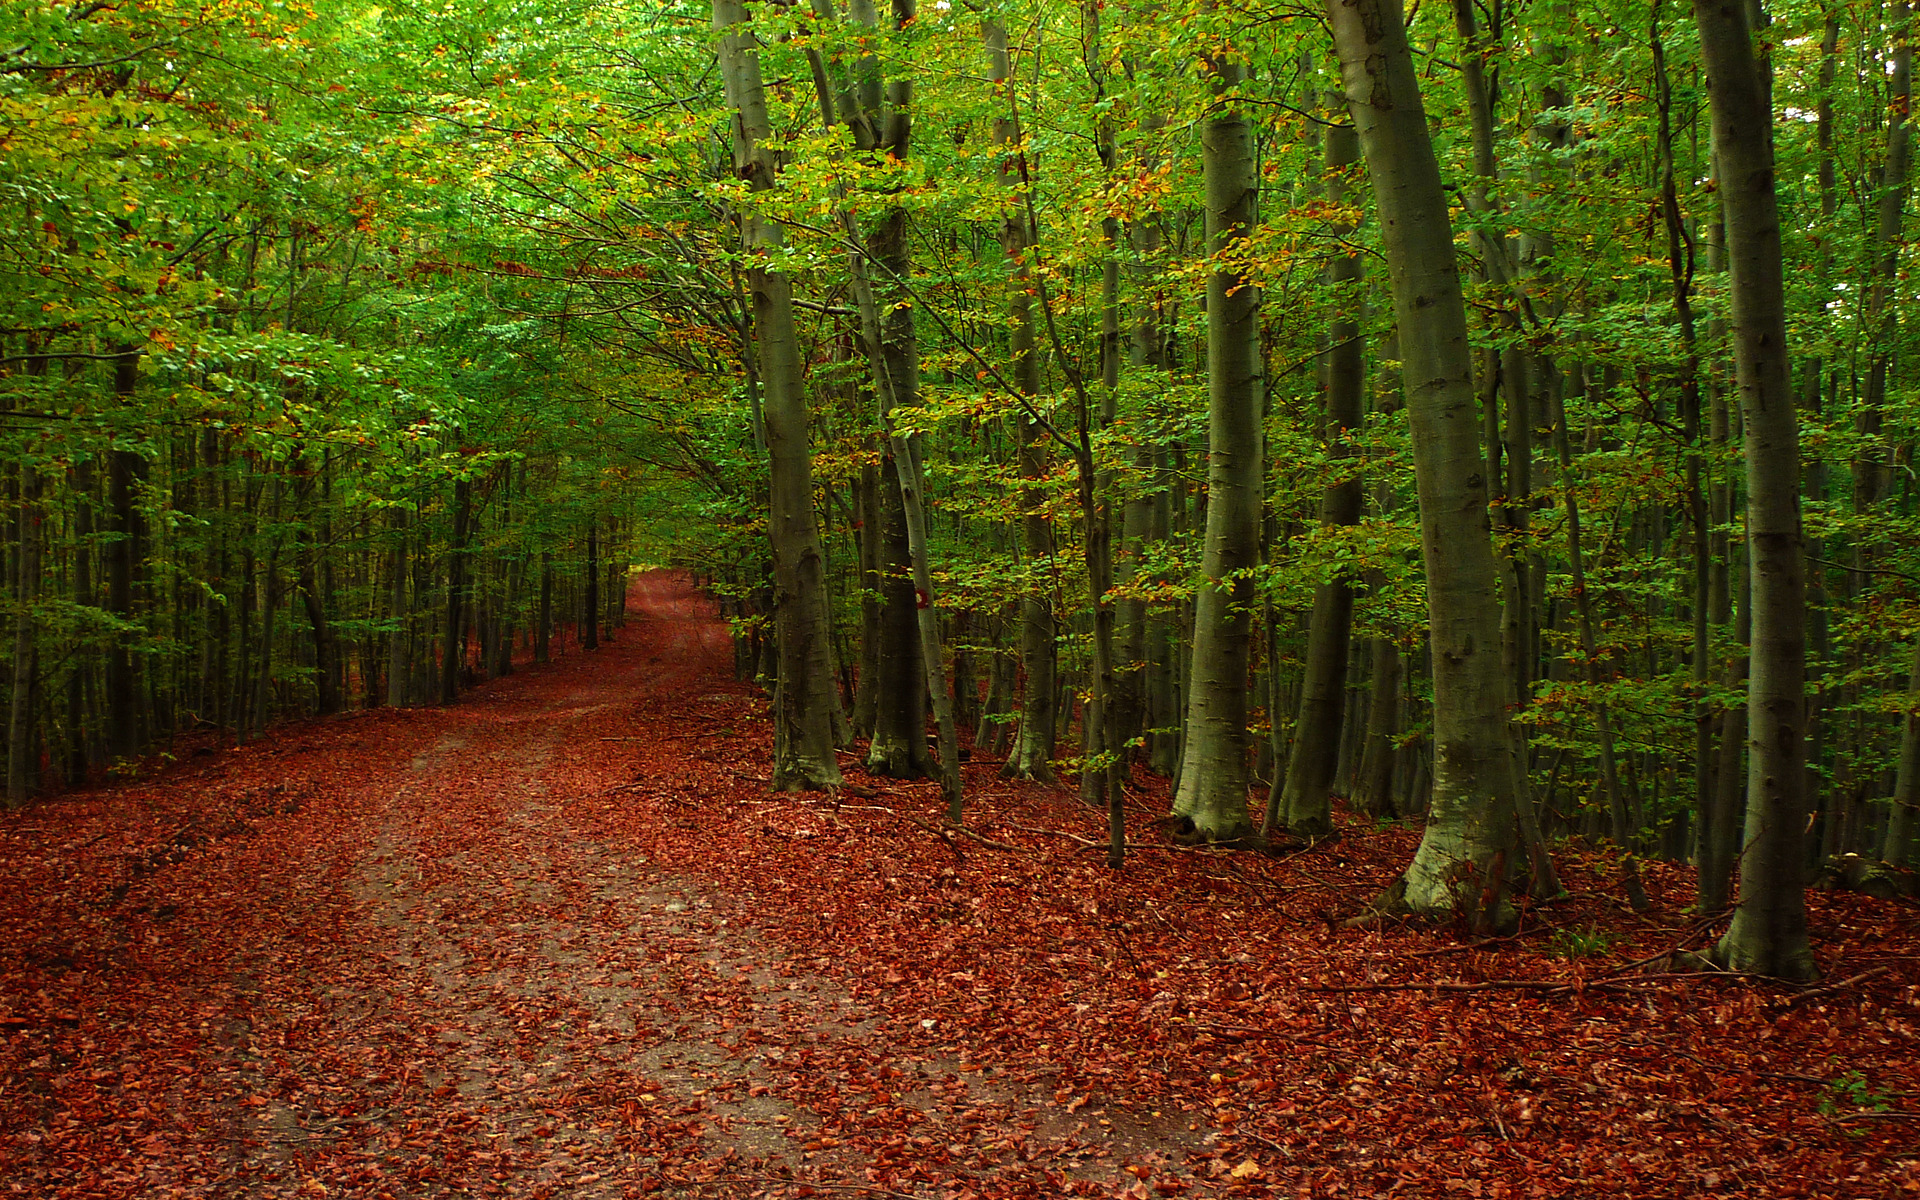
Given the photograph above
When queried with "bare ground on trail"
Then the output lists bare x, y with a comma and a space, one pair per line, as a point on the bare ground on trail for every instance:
559, 940
441, 982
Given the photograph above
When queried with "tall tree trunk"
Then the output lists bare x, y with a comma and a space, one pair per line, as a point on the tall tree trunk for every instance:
866, 490
1305, 795
123, 472
1471, 817
454, 646
893, 354
899, 745
1769, 931
1211, 798
1032, 753
397, 610
326, 647
806, 700
80, 737
20, 742
590, 582
543, 632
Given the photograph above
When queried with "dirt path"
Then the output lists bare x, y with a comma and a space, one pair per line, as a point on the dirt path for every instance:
558, 940
441, 973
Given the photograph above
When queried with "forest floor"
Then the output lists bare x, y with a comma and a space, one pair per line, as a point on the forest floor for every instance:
559, 940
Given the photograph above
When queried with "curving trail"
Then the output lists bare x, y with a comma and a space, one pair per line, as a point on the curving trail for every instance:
558, 940
418, 961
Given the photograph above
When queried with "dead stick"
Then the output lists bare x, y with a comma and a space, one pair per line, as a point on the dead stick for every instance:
1803, 997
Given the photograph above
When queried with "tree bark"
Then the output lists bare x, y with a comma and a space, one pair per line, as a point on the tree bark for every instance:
1470, 819
805, 700
1769, 931
1033, 746
1211, 798
454, 646
25, 645
1306, 793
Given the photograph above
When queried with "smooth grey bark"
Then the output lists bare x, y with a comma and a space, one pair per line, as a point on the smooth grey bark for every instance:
1889, 238
1101, 774
1373, 791
1033, 746
590, 588
1305, 793
1897, 844
1211, 796
898, 748
397, 612
454, 636
892, 349
1146, 351
806, 700
1769, 930
1461, 862
866, 492
125, 470
1872, 468
25, 647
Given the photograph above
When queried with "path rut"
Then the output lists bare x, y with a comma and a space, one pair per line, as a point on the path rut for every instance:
468, 986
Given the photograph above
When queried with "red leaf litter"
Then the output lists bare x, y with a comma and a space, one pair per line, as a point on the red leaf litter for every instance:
559, 940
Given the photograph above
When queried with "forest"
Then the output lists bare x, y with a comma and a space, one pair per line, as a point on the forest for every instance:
1476, 438
1119, 378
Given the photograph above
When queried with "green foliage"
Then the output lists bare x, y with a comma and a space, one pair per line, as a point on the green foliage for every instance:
1591, 942
1851, 1092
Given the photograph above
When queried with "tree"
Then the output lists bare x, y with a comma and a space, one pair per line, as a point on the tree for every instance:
1469, 833
806, 701
1769, 930
1211, 800
1305, 793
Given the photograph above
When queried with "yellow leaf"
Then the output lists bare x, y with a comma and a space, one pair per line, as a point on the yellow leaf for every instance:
1246, 1170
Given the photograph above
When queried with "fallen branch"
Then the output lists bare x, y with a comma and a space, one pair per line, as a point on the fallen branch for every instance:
1244, 1032
1489, 985
1830, 988
784, 1181
1482, 943
945, 833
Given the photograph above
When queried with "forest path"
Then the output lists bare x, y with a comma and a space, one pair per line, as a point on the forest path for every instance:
435, 971
558, 940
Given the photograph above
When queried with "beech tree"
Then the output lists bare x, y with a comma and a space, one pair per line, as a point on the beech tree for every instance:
1211, 798
1769, 930
1470, 815
806, 702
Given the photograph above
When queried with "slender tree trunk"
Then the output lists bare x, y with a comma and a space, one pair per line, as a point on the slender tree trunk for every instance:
79, 747
454, 646
123, 469
806, 700
543, 632
326, 647
872, 589
1211, 797
1769, 931
1897, 845
1032, 753
397, 611
20, 725
1461, 860
590, 582
1305, 793
893, 353
899, 745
